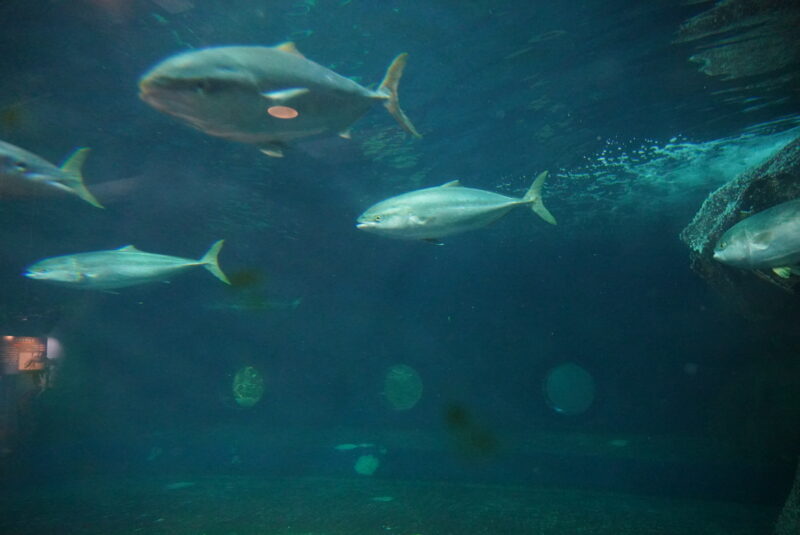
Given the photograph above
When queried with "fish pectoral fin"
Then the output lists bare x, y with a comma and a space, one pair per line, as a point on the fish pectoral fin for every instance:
345, 134
284, 95
276, 151
417, 220
290, 48
433, 241
451, 184
761, 240
783, 272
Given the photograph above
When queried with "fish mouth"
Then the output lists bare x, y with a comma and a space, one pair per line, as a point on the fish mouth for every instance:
362, 226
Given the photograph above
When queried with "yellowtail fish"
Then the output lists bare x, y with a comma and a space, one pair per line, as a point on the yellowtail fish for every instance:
431, 213
769, 239
119, 268
265, 96
24, 172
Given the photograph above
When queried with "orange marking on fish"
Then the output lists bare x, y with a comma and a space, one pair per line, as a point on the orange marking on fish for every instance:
283, 112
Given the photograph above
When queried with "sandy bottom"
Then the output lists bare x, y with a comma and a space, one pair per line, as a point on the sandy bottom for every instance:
242, 505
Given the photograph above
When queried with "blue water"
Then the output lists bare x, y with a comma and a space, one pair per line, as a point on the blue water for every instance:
691, 402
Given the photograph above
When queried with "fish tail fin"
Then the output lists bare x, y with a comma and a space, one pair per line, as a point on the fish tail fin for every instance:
72, 166
211, 263
388, 90
534, 197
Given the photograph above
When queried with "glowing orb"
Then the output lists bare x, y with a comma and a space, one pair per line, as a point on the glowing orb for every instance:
569, 389
402, 387
283, 112
366, 465
248, 386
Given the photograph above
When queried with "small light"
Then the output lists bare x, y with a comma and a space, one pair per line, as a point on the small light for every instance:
8, 338
282, 112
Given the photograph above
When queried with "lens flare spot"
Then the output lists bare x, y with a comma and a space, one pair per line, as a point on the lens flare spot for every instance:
283, 112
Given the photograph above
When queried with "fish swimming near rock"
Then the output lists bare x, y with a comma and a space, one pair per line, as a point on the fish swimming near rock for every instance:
432, 213
265, 96
24, 172
769, 239
119, 268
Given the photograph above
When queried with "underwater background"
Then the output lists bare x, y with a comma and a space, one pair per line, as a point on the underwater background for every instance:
685, 411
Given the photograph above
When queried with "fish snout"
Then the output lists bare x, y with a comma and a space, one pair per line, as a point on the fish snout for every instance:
363, 226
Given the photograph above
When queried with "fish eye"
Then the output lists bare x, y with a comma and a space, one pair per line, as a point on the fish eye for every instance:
377, 218
723, 244
202, 86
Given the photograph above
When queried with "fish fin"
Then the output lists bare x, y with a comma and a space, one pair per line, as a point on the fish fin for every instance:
783, 272
129, 249
345, 134
210, 261
417, 220
761, 240
72, 166
534, 196
433, 241
290, 48
451, 184
388, 91
272, 150
284, 95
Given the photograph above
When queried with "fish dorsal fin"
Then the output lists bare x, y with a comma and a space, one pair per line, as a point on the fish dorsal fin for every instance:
129, 249
451, 184
284, 95
290, 48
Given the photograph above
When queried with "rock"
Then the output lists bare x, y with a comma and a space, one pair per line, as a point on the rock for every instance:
789, 520
760, 295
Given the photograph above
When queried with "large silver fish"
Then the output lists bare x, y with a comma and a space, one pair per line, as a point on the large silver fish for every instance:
431, 213
265, 96
769, 239
22, 172
119, 268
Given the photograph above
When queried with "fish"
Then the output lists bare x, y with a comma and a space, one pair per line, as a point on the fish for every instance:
432, 213
23, 171
769, 239
120, 268
265, 96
